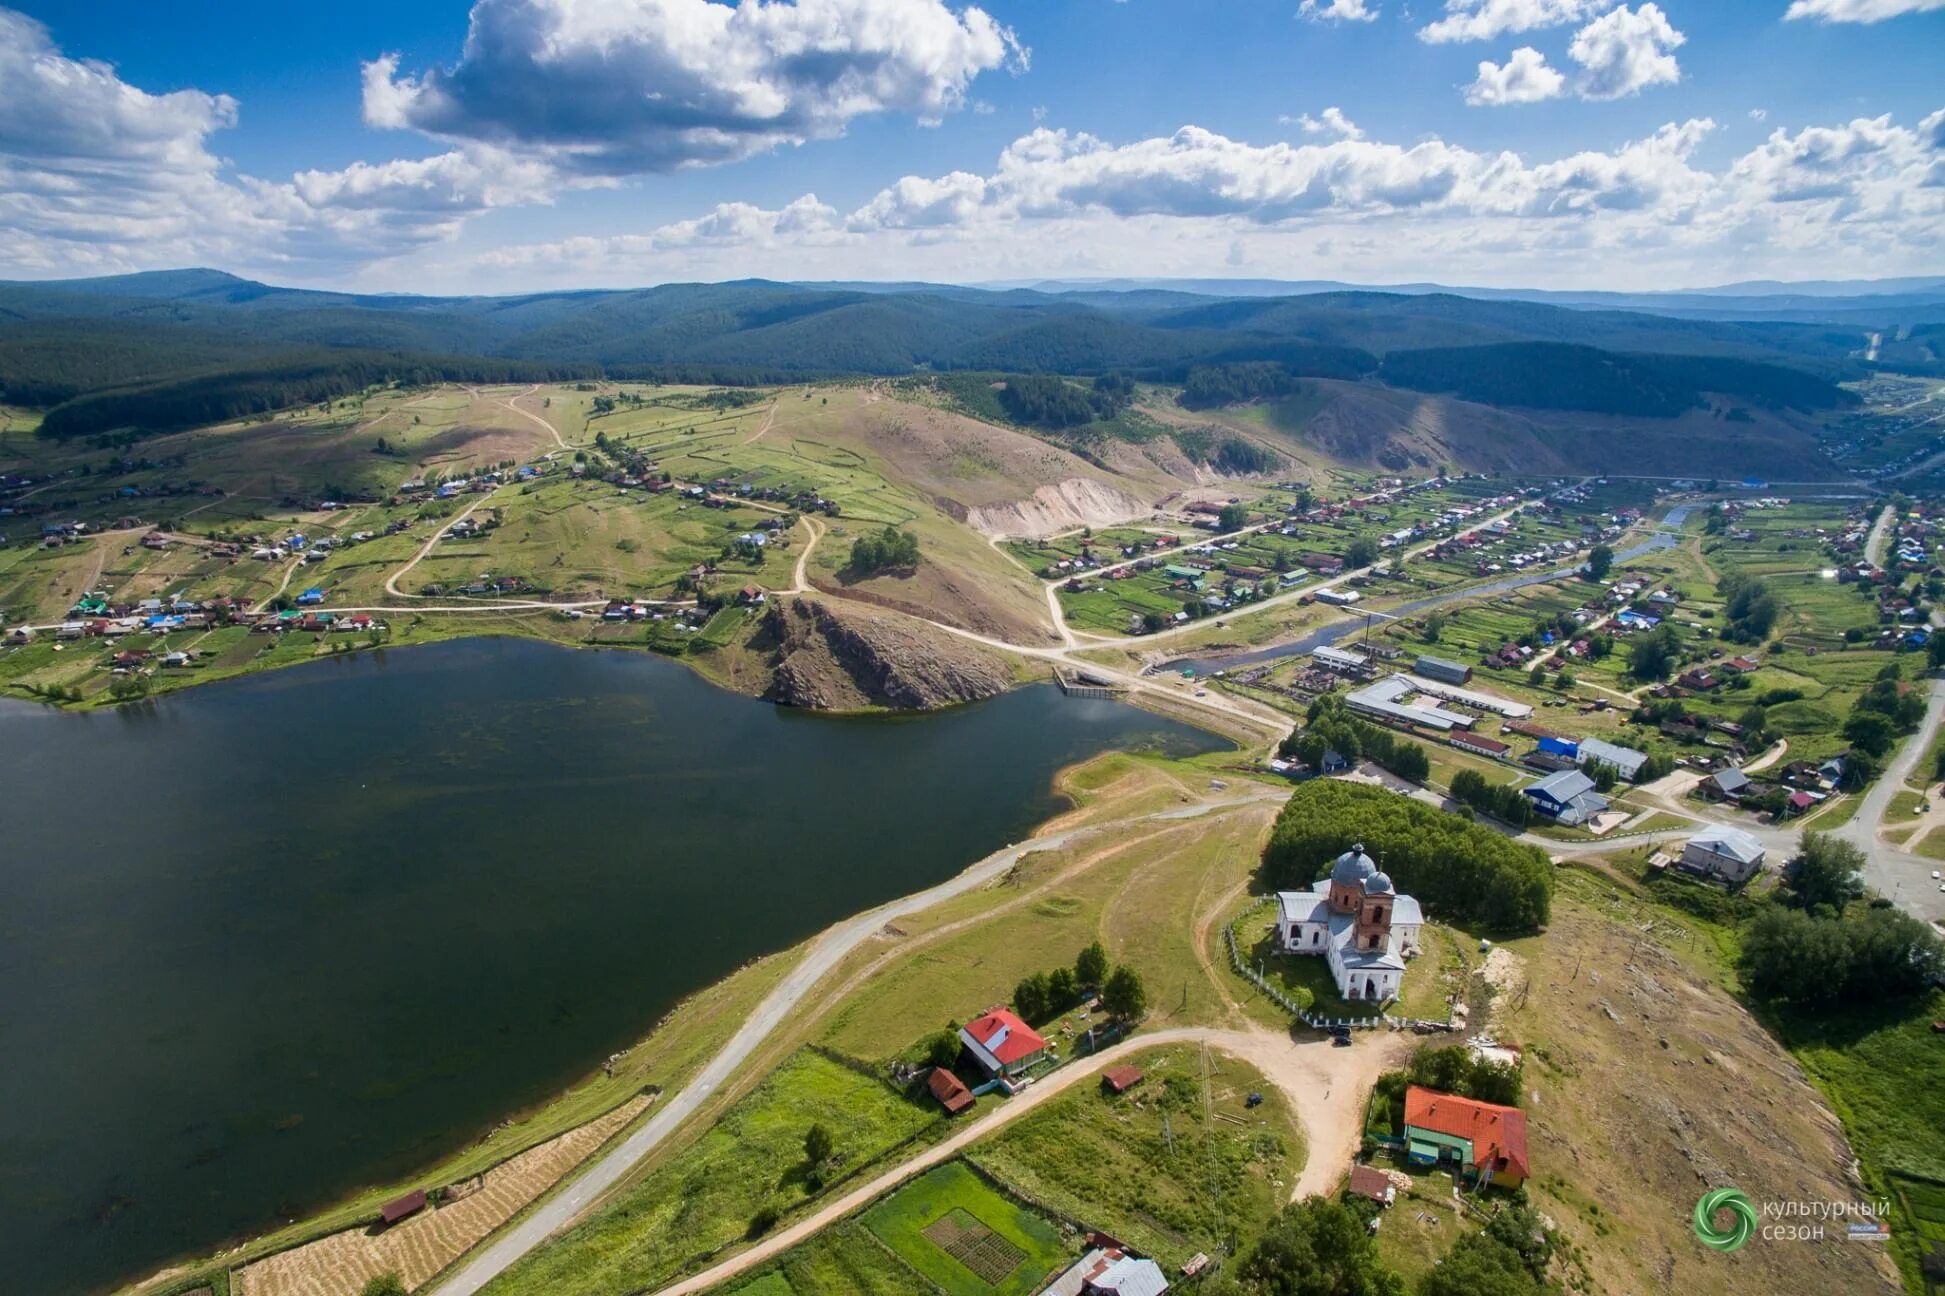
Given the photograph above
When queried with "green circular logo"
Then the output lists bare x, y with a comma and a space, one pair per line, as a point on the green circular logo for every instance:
1741, 1228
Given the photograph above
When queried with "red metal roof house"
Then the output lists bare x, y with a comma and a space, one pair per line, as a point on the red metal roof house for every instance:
1002, 1043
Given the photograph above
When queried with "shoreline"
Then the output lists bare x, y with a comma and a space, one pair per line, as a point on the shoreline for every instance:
690, 1035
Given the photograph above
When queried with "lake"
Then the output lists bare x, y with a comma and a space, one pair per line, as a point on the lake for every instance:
271, 940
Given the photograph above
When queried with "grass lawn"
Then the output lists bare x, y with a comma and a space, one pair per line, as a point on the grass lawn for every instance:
1004, 1248
1879, 1067
842, 1260
709, 1195
1148, 1166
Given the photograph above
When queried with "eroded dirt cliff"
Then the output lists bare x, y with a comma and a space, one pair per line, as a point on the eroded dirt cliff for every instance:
836, 656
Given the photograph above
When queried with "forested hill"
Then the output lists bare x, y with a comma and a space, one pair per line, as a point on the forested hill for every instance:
139, 346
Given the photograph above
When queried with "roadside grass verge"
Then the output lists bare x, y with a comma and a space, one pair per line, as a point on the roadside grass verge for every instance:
842, 1260
735, 1182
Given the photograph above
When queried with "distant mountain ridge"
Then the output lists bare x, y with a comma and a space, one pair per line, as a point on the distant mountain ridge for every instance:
156, 339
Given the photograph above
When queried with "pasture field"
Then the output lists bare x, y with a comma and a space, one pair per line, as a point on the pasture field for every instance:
1170, 1166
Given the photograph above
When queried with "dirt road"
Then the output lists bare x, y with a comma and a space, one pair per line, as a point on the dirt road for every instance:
1325, 1086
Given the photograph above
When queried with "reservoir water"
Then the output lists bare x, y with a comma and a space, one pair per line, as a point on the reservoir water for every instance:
265, 942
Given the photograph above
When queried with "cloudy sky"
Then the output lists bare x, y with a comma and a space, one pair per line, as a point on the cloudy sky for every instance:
513, 145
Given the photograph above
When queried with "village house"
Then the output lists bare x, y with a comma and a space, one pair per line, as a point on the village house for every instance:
1725, 854
1729, 784
1001, 1043
1568, 798
1358, 922
1110, 1271
1626, 762
1485, 1142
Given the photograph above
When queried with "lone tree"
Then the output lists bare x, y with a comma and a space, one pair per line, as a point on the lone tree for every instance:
1091, 967
1124, 996
1234, 517
942, 1050
1600, 561
1826, 872
818, 1146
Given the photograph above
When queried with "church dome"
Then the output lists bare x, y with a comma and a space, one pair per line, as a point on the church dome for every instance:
1378, 884
1352, 867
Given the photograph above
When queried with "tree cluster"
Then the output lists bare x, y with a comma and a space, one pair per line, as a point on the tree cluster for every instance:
1502, 801
1459, 870
1749, 608
1815, 945
1213, 386
1884, 711
891, 549
1046, 401
1818, 960
1332, 726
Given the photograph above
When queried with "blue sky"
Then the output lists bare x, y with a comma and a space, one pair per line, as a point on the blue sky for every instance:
1561, 143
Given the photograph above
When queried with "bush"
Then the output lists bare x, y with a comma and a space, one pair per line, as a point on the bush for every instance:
385, 1284
1459, 870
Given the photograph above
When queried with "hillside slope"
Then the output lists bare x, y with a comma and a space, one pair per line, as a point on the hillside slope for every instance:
1371, 426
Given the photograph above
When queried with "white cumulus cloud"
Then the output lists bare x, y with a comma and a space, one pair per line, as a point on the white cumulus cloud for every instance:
1477, 20
1523, 78
625, 87
1859, 11
1337, 11
1333, 122
1863, 196
97, 175
1624, 51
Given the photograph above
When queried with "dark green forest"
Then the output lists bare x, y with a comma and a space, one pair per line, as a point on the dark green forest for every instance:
169, 349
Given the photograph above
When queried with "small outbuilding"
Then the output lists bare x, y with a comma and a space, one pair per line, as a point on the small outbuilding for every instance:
950, 1090
402, 1207
1121, 1079
1373, 1184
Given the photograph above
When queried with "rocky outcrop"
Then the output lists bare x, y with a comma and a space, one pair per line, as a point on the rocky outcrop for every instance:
836, 656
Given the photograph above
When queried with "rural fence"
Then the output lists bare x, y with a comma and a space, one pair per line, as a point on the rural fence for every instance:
1316, 1021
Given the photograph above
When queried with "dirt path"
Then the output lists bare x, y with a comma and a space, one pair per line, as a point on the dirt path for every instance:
552, 431
282, 585
1325, 1086
800, 577
391, 582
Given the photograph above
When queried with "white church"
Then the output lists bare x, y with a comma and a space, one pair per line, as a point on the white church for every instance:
1356, 920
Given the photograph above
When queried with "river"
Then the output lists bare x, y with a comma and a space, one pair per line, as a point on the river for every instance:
1666, 535
271, 940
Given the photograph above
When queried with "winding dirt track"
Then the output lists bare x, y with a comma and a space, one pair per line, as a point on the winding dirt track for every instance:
1325, 1086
